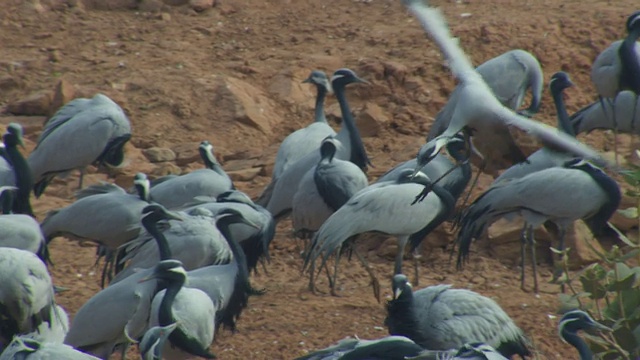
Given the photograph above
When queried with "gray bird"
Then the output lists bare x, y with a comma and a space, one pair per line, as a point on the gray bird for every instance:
194, 240
470, 351
617, 69
27, 347
153, 341
176, 191
227, 285
191, 308
26, 293
384, 207
254, 241
480, 113
111, 318
442, 318
546, 157
84, 132
14, 169
303, 141
562, 195
22, 232
349, 147
508, 76
574, 321
324, 189
104, 213
386, 348
601, 115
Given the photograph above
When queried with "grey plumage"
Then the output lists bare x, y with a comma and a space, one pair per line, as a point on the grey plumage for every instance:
481, 112
442, 318
82, 133
14, 169
177, 191
194, 240
559, 194
303, 141
27, 347
601, 114
26, 293
384, 207
153, 341
22, 232
349, 147
115, 315
509, 76
104, 213
546, 157
387, 348
471, 351
324, 189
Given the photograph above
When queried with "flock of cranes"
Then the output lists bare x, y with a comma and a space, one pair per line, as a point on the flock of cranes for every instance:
179, 250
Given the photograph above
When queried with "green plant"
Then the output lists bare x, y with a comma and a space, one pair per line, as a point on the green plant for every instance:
611, 289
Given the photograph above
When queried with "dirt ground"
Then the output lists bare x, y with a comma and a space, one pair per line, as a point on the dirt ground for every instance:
164, 65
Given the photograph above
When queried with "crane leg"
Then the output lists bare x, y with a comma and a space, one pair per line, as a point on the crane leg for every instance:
374, 280
333, 284
416, 264
614, 121
523, 246
82, 171
534, 262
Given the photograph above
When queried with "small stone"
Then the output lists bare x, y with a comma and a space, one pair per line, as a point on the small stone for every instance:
395, 70
8, 82
234, 165
158, 154
164, 169
62, 94
55, 56
201, 5
244, 174
175, 2
187, 153
35, 104
165, 17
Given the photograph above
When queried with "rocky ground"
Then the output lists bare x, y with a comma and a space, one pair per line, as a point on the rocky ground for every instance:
186, 71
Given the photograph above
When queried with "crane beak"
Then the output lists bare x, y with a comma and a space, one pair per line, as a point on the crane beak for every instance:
415, 172
597, 327
397, 293
307, 80
361, 80
174, 216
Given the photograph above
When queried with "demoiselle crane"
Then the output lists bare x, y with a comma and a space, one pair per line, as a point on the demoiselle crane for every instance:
574, 321
26, 294
562, 195
388, 348
384, 207
442, 318
175, 191
28, 347
153, 341
509, 76
469, 351
601, 114
83, 132
617, 69
14, 169
480, 112
324, 189
349, 147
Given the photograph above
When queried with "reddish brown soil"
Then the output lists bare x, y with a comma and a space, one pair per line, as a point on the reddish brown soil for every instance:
161, 67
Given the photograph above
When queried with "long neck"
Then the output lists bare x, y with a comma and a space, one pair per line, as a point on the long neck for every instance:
165, 312
161, 240
239, 298
319, 111
358, 154
577, 342
6, 202
143, 192
598, 222
630, 74
564, 123
404, 322
24, 181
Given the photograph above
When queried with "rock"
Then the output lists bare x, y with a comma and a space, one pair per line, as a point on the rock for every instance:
158, 154
8, 82
371, 120
244, 174
165, 16
186, 153
395, 70
504, 239
175, 2
111, 4
287, 86
234, 165
252, 153
201, 5
238, 100
62, 94
388, 248
371, 68
37, 103
55, 56
164, 169
622, 222
581, 241
151, 6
